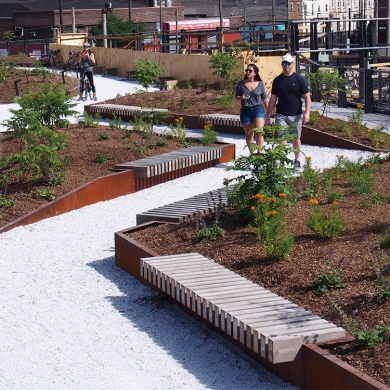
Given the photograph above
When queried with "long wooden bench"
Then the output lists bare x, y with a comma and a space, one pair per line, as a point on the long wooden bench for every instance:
258, 319
179, 211
169, 166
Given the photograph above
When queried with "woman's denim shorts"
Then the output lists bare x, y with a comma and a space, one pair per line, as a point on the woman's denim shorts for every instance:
249, 114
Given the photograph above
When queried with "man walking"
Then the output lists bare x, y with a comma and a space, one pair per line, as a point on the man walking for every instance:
287, 91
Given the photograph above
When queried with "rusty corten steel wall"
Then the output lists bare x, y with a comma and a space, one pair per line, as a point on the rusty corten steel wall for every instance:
103, 188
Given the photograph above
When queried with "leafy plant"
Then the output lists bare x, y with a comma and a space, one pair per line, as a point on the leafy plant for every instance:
212, 233
115, 123
268, 172
89, 120
325, 226
102, 136
269, 224
209, 134
102, 157
324, 83
50, 106
329, 276
360, 176
358, 116
228, 67
185, 104
314, 117
364, 338
147, 72
179, 130
45, 193
7, 200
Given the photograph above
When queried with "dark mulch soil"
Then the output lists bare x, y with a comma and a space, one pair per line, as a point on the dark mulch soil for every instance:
240, 251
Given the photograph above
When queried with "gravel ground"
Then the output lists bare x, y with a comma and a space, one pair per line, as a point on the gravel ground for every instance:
70, 319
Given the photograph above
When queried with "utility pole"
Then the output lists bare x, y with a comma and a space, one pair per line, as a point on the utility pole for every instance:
61, 16
221, 24
130, 18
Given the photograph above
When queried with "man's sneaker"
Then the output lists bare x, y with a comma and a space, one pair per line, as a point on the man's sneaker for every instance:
297, 165
95, 98
79, 99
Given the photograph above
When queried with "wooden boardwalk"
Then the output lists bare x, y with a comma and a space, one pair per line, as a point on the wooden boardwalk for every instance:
260, 320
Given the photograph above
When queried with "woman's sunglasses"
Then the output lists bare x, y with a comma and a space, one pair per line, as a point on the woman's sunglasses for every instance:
248, 70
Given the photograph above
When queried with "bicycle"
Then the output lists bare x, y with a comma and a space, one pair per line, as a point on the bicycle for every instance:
55, 59
84, 84
71, 60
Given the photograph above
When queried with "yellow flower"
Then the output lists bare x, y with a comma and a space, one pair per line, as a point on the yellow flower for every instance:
317, 111
369, 131
313, 201
282, 195
335, 203
252, 208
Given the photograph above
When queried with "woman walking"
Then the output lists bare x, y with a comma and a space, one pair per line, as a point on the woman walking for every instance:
251, 92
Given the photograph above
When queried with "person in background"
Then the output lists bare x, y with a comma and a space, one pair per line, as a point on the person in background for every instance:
251, 92
87, 61
287, 91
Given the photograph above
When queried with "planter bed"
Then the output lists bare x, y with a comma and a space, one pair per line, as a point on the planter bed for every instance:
317, 369
227, 124
115, 185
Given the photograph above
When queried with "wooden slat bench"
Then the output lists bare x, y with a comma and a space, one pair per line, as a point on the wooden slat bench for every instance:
184, 209
120, 110
168, 166
258, 319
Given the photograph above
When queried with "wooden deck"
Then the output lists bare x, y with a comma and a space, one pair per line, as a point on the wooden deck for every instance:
262, 321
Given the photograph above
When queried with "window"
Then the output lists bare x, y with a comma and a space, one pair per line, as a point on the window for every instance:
312, 8
319, 8
292, 7
298, 7
326, 7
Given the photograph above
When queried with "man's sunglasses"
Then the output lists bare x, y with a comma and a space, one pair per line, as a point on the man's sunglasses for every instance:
248, 70
286, 63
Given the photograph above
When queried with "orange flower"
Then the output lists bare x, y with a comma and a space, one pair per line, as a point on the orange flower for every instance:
252, 208
180, 118
205, 126
273, 212
360, 106
272, 199
308, 158
313, 201
176, 120
259, 196
367, 164
326, 169
282, 195
225, 179
369, 131
335, 203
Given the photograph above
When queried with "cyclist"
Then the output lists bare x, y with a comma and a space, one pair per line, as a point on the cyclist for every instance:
87, 60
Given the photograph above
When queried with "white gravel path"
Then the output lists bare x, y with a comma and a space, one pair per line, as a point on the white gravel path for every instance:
71, 319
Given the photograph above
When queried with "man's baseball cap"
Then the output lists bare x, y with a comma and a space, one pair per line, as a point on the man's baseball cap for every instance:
86, 44
288, 58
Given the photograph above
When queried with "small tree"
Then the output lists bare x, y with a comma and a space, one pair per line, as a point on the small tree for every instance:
9, 37
147, 72
326, 84
120, 27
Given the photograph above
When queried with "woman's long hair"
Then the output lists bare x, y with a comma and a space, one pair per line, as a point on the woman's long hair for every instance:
256, 69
